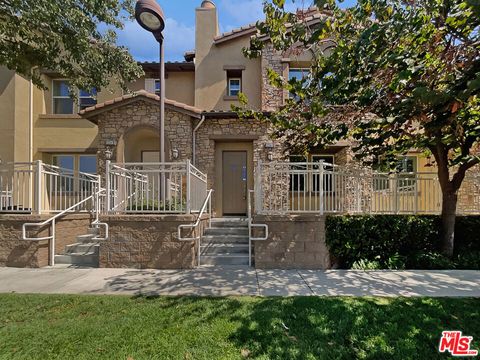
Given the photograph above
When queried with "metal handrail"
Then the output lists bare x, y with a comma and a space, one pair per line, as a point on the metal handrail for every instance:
208, 201
252, 225
53, 219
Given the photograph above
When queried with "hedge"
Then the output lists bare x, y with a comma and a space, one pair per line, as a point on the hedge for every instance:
400, 241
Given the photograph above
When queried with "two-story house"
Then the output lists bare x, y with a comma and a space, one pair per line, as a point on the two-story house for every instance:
112, 134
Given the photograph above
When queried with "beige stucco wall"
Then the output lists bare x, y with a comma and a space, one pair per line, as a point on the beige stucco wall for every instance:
210, 59
14, 117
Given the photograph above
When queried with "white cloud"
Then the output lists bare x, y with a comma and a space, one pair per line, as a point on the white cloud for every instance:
143, 46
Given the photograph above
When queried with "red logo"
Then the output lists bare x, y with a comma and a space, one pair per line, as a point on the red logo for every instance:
456, 344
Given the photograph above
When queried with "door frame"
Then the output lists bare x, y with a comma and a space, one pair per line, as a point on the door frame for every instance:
220, 147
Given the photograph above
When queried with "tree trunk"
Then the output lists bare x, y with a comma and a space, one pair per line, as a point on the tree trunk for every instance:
449, 209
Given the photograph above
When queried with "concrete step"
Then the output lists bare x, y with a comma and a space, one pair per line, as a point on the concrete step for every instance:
227, 231
82, 248
229, 223
223, 249
224, 260
87, 259
87, 238
94, 231
225, 239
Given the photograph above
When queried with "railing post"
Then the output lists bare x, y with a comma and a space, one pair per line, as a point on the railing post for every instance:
189, 189
322, 200
395, 193
258, 187
107, 184
416, 192
38, 184
52, 245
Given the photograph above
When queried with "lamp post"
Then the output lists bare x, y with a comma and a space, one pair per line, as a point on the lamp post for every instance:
150, 16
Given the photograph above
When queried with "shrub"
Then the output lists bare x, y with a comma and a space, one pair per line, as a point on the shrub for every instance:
400, 241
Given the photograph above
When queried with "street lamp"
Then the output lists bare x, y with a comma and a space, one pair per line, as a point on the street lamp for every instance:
150, 16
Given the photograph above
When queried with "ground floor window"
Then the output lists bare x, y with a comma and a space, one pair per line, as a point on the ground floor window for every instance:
72, 165
304, 178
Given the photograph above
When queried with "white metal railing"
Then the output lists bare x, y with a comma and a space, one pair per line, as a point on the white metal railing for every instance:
252, 226
42, 188
320, 187
51, 222
176, 188
194, 228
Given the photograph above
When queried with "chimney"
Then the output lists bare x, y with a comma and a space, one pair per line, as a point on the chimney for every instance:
206, 28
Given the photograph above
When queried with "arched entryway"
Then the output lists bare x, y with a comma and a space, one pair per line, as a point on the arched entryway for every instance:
140, 143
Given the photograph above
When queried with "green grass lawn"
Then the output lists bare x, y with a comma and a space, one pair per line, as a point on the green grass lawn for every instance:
117, 327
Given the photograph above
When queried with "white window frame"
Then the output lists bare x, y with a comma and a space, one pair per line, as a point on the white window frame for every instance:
67, 97
60, 97
230, 79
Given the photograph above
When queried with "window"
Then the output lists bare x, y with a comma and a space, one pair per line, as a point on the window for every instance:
234, 86
327, 176
88, 164
87, 99
234, 82
406, 181
297, 173
72, 164
406, 166
64, 104
67, 165
298, 74
157, 86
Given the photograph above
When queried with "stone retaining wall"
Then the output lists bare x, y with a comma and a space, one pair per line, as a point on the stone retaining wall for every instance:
15, 252
294, 242
147, 241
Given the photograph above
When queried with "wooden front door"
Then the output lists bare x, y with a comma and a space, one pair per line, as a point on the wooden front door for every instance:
234, 178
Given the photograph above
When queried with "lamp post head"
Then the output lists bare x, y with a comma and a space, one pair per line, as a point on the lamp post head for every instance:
150, 16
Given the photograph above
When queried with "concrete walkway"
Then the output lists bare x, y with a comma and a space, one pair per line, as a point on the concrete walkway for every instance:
216, 281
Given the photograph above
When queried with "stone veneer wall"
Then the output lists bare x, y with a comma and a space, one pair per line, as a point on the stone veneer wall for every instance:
294, 242
114, 124
16, 252
213, 129
148, 241
272, 97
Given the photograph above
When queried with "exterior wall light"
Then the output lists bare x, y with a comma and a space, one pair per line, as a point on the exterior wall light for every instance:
175, 154
108, 154
270, 156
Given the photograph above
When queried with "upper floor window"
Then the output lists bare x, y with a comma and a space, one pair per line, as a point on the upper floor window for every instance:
298, 74
152, 85
64, 104
234, 82
234, 86
87, 99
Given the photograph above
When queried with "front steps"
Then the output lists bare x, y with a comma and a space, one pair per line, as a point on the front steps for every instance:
225, 243
85, 252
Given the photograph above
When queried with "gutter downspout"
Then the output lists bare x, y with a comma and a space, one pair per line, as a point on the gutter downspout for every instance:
194, 140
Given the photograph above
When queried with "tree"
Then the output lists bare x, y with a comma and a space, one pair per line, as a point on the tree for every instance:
403, 75
64, 36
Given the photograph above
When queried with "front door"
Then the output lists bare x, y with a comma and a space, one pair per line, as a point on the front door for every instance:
234, 178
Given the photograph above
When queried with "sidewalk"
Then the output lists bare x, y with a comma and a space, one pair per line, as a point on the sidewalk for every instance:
240, 281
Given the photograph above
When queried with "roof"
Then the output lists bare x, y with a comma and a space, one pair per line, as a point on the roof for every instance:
175, 66
136, 96
250, 29
310, 15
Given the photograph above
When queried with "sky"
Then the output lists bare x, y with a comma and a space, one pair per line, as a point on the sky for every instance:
180, 26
